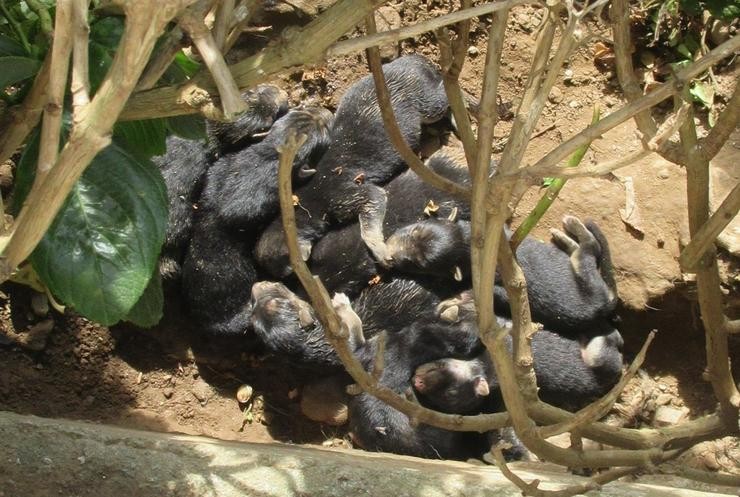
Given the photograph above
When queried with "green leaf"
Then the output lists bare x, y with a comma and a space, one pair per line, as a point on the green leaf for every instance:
724, 9
99, 61
9, 46
101, 250
186, 64
16, 69
191, 127
703, 92
149, 309
107, 31
25, 172
141, 138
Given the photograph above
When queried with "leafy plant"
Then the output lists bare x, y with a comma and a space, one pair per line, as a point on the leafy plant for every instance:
100, 253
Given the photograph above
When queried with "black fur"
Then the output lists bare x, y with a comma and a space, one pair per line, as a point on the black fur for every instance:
361, 157
239, 196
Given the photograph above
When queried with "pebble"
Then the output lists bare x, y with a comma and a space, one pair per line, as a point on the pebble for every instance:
244, 394
574, 104
202, 392
168, 392
664, 174
473, 51
663, 399
568, 75
667, 416
556, 95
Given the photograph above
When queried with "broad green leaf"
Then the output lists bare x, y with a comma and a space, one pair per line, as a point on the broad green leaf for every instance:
107, 31
191, 127
101, 250
703, 92
9, 46
141, 138
148, 310
99, 61
188, 65
15, 69
25, 173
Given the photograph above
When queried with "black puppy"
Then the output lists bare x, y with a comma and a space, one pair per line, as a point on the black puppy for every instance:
570, 372
360, 157
239, 196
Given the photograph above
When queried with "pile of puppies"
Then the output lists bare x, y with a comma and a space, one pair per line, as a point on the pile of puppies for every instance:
396, 252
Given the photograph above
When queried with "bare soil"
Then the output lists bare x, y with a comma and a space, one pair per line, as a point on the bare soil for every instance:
173, 379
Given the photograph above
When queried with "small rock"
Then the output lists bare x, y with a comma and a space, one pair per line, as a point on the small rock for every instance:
325, 401
473, 51
664, 174
568, 75
556, 95
47, 460
662, 387
202, 391
668, 416
663, 399
168, 392
574, 104
81, 459
660, 242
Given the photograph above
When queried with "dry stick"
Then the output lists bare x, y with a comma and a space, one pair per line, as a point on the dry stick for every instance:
487, 117
726, 123
157, 66
594, 483
23, 118
91, 133
51, 125
394, 132
80, 85
707, 279
601, 407
702, 476
333, 328
705, 237
669, 127
223, 18
395, 35
452, 58
616, 118
241, 18
620, 18
295, 48
192, 22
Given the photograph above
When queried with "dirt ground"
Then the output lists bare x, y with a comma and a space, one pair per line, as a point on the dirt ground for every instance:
171, 378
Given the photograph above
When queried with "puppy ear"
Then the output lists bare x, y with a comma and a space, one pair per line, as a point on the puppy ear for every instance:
453, 215
457, 273
305, 317
481, 386
305, 172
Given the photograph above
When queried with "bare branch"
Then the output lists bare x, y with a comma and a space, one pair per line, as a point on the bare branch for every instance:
242, 15
395, 35
620, 17
223, 17
707, 279
594, 483
394, 132
80, 85
645, 102
162, 60
727, 122
658, 142
296, 48
192, 22
601, 407
707, 234
703, 476
51, 125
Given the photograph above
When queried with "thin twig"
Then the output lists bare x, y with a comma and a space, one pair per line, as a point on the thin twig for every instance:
192, 22
51, 125
630, 110
80, 85
594, 483
601, 407
726, 123
157, 66
394, 132
707, 234
223, 18
702, 476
